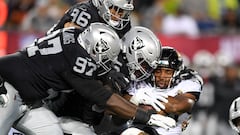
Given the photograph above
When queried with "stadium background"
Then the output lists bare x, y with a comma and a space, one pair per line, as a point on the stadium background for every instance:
205, 32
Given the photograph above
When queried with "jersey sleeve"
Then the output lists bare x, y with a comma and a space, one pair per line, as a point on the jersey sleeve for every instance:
135, 86
88, 88
79, 61
81, 14
190, 86
60, 24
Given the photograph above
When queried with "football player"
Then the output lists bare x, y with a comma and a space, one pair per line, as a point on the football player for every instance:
143, 50
234, 115
182, 87
114, 13
66, 59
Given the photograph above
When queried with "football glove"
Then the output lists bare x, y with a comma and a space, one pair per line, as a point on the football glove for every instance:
161, 121
118, 80
147, 96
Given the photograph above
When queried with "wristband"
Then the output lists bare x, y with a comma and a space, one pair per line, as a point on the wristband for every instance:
142, 116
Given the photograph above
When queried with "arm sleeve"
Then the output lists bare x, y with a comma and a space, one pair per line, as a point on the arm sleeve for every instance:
190, 86
90, 89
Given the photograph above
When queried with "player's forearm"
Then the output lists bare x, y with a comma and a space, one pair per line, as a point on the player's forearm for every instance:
121, 107
127, 97
125, 109
71, 24
178, 105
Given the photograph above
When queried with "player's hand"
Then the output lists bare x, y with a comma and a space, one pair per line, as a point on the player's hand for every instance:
4, 99
161, 121
118, 80
147, 96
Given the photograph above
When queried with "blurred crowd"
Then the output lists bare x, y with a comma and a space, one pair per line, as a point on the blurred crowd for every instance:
168, 17
185, 17
221, 86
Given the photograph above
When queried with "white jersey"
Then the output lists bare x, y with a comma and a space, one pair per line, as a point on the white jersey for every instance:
183, 87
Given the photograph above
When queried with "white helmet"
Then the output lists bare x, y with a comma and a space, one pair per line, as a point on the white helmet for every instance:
143, 50
102, 43
203, 61
203, 58
234, 113
122, 8
224, 59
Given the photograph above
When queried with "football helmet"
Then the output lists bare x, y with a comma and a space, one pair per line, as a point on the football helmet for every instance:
114, 12
203, 62
143, 50
103, 45
234, 115
170, 58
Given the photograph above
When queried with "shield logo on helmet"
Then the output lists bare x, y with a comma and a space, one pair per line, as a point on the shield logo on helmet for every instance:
137, 43
102, 46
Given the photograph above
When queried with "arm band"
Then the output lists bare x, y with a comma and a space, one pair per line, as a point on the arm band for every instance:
142, 116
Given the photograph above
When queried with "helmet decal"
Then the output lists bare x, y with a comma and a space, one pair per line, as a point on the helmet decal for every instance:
101, 46
234, 114
137, 44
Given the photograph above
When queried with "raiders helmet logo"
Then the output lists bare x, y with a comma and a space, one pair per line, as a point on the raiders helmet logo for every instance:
101, 46
137, 43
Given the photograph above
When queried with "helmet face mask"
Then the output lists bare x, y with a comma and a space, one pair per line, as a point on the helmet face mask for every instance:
103, 45
115, 12
140, 69
143, 50
105, 65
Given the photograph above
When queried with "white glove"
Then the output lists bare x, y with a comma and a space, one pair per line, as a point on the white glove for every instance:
147, 96
4, 99
161, 121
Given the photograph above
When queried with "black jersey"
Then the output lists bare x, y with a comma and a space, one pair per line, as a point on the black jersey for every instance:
55, 61
83, 14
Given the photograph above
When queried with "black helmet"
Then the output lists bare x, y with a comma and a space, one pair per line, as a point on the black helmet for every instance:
170, 58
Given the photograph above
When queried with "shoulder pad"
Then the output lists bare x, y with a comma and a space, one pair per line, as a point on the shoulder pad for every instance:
187, 74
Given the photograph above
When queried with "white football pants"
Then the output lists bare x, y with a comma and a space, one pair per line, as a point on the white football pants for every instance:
75, 127
14, 110
39, 121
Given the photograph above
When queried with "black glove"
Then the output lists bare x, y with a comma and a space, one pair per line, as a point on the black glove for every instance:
118, 81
